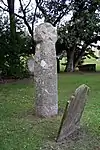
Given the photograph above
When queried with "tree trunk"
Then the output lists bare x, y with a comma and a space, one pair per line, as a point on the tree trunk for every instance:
12, 19
14, 62
12, 27
70, 63
79, 58
70, 67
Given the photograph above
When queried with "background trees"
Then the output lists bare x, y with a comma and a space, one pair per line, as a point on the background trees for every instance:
76, 35
53, 10
12, 18
12, 51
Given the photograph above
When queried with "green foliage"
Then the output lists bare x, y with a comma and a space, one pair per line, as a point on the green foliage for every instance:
11, 64
79, 35
53, 10
13, 49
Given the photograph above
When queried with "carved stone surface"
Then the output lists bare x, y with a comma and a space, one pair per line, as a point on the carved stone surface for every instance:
73, 112
45, 71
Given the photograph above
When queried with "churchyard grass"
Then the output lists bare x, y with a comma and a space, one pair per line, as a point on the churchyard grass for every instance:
20, 129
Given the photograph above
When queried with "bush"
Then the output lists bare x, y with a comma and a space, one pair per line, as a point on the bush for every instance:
13, 57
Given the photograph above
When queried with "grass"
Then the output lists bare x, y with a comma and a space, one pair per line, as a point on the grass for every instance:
20, 129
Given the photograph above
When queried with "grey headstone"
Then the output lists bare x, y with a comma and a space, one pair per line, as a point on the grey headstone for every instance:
45, 71
73, 112
30, 64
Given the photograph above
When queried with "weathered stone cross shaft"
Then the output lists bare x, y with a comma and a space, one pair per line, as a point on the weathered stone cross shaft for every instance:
45, 71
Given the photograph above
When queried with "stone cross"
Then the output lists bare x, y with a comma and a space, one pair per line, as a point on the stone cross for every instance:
73, 112
45, 71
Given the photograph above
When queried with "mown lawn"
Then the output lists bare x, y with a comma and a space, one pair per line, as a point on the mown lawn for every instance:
20, 129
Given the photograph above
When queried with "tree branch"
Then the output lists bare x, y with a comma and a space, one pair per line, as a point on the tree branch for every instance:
24, 18
61, 16
40, 7
22, 8
4, 9
27, 5
34, 18
4, 3
7, 10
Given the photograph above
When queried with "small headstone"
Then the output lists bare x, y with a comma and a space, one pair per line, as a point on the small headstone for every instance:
45, 71
73, 112
30, 64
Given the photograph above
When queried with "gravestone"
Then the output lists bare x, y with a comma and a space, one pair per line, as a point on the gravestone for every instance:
30, 64
45, 71
87, 68
73, 112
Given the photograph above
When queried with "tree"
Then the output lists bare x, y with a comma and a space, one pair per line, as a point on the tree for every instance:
11, 63
25, 15
78, 35
12, 18
10, 8
75, 36
53, 10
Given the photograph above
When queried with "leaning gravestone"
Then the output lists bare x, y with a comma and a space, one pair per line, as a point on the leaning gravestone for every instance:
45, 71
73, 112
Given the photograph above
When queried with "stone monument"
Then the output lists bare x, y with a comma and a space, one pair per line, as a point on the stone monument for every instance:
73, 112
45, 71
